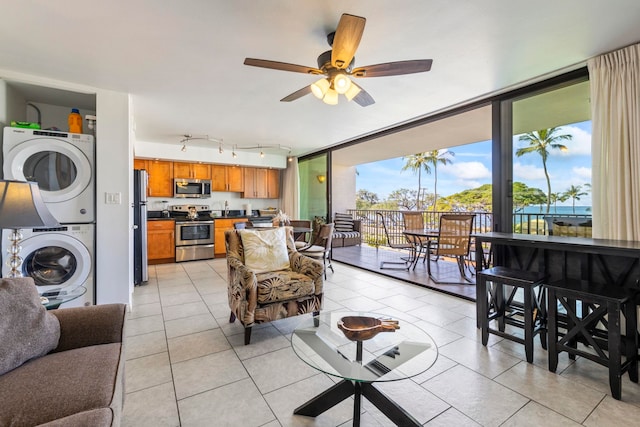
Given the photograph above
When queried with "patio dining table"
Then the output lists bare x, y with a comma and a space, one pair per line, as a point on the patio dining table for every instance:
416, 236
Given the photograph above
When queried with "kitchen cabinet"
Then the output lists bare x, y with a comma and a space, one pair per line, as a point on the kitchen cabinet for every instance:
220, 226
191, 170
161, 241
260, 183
160, 176
227, 178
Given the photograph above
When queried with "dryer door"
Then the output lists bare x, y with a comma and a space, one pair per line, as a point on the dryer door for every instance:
61, 170
55, 262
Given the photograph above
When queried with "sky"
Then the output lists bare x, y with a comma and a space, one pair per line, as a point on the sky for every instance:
471, 168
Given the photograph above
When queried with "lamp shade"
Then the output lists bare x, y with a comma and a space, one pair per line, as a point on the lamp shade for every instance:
21, 206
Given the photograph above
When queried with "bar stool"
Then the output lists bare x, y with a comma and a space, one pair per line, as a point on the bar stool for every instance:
597, 325
531, 315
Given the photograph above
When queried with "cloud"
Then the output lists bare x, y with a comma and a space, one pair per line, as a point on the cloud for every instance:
527, 172
582, 172
579, 145
467, 171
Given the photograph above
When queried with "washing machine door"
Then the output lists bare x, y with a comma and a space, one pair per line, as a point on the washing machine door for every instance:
61, 170
56, 262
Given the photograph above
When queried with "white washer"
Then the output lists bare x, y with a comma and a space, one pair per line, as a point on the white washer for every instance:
58, 259
61, 163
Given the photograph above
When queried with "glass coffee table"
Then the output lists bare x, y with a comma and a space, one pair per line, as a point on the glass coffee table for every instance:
388, 356
53, 300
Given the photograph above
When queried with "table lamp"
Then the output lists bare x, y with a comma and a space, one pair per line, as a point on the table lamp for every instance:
21, 206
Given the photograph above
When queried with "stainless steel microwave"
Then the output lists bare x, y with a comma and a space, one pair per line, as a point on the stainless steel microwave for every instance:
191, 188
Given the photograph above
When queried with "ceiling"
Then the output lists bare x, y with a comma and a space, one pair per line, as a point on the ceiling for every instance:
182, 62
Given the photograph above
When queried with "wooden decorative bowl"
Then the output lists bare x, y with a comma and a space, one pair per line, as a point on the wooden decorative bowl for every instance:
361, 328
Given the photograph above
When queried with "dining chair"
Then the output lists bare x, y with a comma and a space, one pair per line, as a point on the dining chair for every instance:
415, 221
301, 239
454, 240
321, 247
406, 246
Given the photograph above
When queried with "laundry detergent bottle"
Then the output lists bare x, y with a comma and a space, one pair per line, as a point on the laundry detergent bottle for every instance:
75, 121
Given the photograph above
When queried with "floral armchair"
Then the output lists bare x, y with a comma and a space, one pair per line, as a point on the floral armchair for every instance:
259, 297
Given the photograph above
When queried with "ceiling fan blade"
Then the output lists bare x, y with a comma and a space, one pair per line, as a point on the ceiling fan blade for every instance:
393, 68
363, 98
346, 40
283, 66
297, 94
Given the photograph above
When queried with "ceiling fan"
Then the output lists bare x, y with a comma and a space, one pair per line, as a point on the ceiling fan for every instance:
337, 65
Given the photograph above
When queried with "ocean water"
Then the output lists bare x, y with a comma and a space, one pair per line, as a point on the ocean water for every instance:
560, 210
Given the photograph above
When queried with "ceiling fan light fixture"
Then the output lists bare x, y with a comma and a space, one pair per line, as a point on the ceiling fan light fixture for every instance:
341, 83
352, 92
331, 97
320, 88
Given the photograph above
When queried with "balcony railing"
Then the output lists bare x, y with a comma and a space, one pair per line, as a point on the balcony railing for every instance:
373, 233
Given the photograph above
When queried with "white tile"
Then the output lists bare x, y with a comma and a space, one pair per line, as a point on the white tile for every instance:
147, 371
151, 407
190, 325
534, 414
143, 325
277, 369
145, 345
562, 395
484, 401
184, 310
187, 347
284, 400
452, 417
484, 360
236, 404
611, 412
204, 373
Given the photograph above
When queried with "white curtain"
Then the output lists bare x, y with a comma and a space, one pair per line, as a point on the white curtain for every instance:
615, 114
291, 190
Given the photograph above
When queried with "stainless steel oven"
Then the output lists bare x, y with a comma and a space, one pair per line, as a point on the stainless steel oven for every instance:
194, 240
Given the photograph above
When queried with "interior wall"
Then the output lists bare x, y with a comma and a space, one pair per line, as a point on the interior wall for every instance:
343, 193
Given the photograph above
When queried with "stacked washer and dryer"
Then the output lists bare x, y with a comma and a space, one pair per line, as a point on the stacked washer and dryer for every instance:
59, 259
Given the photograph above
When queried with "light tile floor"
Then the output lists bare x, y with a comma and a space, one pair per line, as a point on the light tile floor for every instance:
187, 365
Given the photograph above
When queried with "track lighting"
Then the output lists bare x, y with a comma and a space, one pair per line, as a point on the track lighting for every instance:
233, 152
261, 153
220, 150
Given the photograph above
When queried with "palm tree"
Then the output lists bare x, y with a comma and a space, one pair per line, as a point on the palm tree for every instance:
558, 197
434, 157
416, 163
540, 142
574, 192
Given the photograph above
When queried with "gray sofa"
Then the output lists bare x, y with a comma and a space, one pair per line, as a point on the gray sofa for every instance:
80, 382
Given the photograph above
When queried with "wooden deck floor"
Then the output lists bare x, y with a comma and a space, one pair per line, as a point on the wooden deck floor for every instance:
369, 258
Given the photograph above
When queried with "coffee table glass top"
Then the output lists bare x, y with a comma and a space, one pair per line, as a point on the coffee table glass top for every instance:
55, 299
388, 356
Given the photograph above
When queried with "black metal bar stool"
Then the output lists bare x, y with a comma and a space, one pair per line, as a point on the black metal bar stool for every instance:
496, 301
596, 325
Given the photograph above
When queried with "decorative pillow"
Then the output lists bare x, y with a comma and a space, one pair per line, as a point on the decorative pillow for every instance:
265, 250
343, 222
27, 331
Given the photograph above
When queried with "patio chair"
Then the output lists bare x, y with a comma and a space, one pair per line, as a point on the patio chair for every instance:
415, 221
454, 240
407, 246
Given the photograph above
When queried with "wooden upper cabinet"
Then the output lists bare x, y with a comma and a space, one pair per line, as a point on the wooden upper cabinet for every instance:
191, 170
273, 183
160, 178
260, 183
139, 164
227, 178
235, 178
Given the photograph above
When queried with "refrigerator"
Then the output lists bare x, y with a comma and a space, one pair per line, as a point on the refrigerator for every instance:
140, 269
